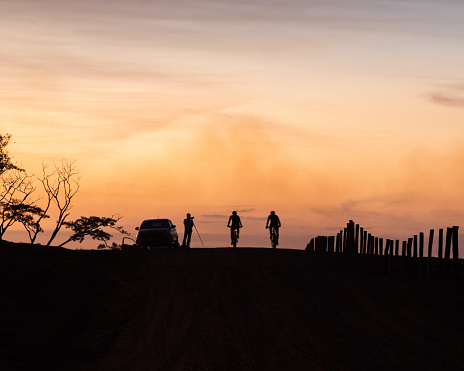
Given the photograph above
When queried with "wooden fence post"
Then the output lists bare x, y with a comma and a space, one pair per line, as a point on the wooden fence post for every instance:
342, 241
361, 240
455, 242
415, 246
409, 247
409, 258
440, 262
387, 256
449, 235
382, 260
456, 252
350, 238
429, 252
345, 232
440, 243
390, 257
448, 241
421, 245
387, 246
403, 257
365, 243
421, 252
357, 239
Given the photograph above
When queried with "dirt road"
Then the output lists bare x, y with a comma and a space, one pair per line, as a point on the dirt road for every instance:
225, 309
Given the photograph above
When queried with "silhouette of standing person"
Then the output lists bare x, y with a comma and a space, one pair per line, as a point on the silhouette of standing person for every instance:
235, 224
273, 221
188, 225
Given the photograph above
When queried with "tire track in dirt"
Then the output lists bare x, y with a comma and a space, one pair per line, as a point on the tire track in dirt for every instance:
260, 313
234, 309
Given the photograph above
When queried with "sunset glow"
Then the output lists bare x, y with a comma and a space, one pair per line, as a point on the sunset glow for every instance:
323, 111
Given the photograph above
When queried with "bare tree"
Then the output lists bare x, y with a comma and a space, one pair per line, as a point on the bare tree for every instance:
60, 186
34, 226
16, 189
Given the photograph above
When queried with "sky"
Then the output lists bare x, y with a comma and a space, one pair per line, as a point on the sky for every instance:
323, 111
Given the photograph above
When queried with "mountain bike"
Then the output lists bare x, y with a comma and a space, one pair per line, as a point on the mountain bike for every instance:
234, 237
274, 238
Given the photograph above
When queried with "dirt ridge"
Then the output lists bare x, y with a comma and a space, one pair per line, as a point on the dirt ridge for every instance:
219, 309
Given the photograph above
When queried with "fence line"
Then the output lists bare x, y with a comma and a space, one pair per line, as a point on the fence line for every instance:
410, 261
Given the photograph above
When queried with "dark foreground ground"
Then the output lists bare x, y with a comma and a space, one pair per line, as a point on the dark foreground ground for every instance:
220, 309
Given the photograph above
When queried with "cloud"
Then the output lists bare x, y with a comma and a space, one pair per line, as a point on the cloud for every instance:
214, 24
446, 100
452, 95
214, 216
245, 210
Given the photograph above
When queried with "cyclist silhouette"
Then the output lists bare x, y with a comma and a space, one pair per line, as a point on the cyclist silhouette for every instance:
235, 224
273, 221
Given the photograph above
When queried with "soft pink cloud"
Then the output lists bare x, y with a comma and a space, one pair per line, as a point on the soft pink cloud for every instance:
447, 100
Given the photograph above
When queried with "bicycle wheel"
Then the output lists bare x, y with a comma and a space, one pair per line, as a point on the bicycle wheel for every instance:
273, 238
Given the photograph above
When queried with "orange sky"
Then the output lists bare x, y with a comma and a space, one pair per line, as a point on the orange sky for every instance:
323, 111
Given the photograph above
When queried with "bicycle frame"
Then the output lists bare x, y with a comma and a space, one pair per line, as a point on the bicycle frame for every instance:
234, 238
274, 238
